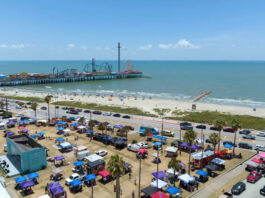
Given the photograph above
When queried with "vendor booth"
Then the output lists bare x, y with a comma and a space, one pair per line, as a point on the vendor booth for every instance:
106, 176
65, 147
187, 182
159, 184
56, 174
55, 190
172, 151
59, 161
201, 157
76, 186
148, 191
18, 181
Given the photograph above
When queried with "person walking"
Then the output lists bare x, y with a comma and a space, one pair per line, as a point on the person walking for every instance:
135, 181
133, 195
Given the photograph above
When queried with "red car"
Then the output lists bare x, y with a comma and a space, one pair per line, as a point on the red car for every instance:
254, 176
228, 129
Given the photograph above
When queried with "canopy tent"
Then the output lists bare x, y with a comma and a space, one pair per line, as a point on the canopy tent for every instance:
66, 130
75, 183
33, 136
184, 144
27, 184
261, 155
90, 177
93, 158
10, 133
41, 133
173, 190
56, 188
159, 194
159, 174
157, 143
149, 190
251, 163
118, 126
195, 147
60, 139
89, 131
74, 124
142, 131
160, 137
104, 173
211, 167
218, 152
20, 179
142, 151
161, 184
200, 155
172, 149
80, 148
218, 161
78, 163
44, 196
72, 118
182, 164
201, 173
81, 127
65, 145
186, 178
156, 154
33, 175
57, 171
42, 121
9, 123
229, 146
24, 131
258, 161
60, 128
170, 171
58, 158
21, 127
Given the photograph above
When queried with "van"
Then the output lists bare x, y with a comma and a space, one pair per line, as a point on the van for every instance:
82, 154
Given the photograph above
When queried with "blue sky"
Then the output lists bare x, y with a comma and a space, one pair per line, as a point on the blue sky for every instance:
147, 29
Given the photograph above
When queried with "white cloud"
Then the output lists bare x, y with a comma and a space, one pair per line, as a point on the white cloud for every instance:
17, 46
70, 46
182, 43
84, 48
3, 46
146, 47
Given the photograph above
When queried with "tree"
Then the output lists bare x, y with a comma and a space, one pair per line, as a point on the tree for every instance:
34, 108
214, 139
219, 124
190, 137
101, 127
162, 113
174, 164
116, 167
81, 120
48, 99
2, 104
91, 124
235, 126
125, 130
147, 132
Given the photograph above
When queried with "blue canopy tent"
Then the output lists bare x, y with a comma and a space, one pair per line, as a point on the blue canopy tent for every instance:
60, 139
75, 183
90, 177
20, 179
173, 190
72, 118
33, 136
74, 124
157, 143
78, 163
89, 131
41, 133
60, 128
201, 173
33, 175
229, 146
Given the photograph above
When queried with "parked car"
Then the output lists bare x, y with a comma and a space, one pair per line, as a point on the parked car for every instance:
244, 145
168, 133
72, 178
229, 142
20, 115
43, 108
64, 108
262, 191
101, 153
57, 107
87, 111
117, 115
133, 147
249, 136
144, 145
213, 128
254, 176
107, 113
261, 134
185, 124
245, 131
72, 111
79, 110
97, 112
228, 129
201, 126
238, 188
130, 127
7, 116
260, 148
208, 141
18, 107
126, 117
186, 127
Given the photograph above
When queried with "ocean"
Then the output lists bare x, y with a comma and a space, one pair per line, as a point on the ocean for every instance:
231, 82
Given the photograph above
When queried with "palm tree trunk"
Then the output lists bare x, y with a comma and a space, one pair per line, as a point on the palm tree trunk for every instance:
118, 187
234, 148
214, 150
139, 185
180, 134
48, 112
189, 159
36, 114
92, 190
174, 177
219, 141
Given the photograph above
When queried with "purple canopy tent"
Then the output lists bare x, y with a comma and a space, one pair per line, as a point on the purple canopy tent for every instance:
27, 184
10, 133
182, 164
159, 174
184, 144
24, 131
57, 158
195, 147
56, 188
10, 123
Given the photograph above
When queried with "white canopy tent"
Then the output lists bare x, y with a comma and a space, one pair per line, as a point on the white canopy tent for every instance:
171, 149
161, 183
186, 178
93, 158
170, 171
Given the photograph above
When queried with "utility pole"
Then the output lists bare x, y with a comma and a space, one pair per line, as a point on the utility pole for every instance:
119, 57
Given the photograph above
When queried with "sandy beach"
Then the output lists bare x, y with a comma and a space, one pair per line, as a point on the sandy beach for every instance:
146, 104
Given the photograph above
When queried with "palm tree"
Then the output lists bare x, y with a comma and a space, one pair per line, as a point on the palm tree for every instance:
214, 139
190, 137
174, 164
219, 124
81, 120
34, 108
101, 127
91, 124
48, 99
162, 113
116, 167
147, 132
235, 126
2, 104
125, 130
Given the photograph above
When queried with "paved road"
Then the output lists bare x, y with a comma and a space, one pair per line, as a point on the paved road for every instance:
252, 190
220, 181
138, 121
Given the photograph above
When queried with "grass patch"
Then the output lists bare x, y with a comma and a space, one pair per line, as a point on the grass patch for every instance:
209, 117
30, 99
94, 106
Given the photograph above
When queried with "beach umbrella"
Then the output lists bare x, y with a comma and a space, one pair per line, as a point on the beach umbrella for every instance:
261, 155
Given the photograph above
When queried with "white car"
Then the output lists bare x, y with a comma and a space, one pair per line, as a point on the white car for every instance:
260, 148
72, 178
261, 134
133, 147
20, 115
107, 113
143, 145
18, 107
102, 153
